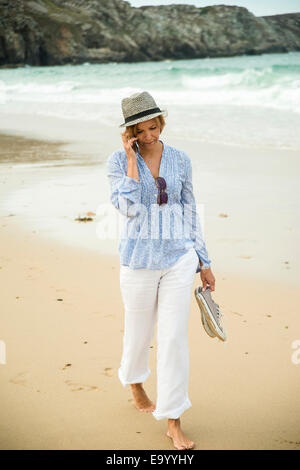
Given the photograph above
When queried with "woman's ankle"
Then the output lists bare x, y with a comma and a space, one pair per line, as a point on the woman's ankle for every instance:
136, 385
174, 422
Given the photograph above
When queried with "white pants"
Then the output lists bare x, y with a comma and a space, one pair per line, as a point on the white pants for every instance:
163, 295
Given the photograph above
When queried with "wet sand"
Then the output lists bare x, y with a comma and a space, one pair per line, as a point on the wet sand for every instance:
62, 325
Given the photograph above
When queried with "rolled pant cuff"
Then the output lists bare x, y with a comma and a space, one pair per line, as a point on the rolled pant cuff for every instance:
174, 414
138, 380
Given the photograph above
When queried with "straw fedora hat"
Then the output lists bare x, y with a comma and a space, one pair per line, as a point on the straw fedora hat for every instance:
140, 107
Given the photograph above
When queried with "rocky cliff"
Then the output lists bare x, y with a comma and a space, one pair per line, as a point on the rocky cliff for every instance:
50, 32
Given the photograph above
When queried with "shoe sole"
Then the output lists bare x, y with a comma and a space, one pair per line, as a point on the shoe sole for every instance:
208, 317
204, 322
206, 327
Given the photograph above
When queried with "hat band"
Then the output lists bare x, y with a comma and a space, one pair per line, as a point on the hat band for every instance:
142, 114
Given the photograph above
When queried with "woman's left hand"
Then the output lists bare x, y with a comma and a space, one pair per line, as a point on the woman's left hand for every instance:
207, 277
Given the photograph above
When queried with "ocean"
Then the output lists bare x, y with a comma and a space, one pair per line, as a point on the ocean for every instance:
251, 101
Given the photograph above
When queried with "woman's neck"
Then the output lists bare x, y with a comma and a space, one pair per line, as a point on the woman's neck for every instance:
153, 152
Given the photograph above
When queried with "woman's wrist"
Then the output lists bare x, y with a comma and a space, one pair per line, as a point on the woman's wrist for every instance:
132, 169
132, 157
204, 267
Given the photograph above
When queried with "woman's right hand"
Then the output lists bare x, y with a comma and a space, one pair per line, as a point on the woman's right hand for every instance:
127, 143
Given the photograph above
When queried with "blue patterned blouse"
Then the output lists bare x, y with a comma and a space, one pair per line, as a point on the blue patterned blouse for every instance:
155, 236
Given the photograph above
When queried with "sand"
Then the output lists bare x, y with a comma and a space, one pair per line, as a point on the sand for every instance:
62, 324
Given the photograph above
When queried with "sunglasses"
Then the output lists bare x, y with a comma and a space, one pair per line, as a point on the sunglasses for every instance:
162, 197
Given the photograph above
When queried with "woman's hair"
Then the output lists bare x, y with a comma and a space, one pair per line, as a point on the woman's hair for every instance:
132, 130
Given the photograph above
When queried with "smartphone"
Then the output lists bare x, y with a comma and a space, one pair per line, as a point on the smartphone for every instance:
135, 146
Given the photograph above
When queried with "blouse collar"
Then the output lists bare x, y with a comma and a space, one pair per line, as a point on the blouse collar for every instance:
162, 160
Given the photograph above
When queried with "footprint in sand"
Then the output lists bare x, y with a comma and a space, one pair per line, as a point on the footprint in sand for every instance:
106, 372
77, 387
237, 313
22, 378
297, 443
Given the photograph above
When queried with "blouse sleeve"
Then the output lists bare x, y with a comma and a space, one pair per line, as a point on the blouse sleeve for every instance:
189, 202
125, 191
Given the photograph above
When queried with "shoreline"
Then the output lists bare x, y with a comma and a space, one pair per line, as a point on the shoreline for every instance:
91, 138
62, 324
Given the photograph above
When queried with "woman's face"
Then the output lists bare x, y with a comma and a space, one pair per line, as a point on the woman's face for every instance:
147, 133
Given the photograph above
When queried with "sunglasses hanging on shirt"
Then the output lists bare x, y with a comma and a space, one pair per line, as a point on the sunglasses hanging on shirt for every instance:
162, 197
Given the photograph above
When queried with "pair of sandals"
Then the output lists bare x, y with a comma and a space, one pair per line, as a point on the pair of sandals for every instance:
210, 313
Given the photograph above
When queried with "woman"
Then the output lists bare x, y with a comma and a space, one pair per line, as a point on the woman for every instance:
151, 185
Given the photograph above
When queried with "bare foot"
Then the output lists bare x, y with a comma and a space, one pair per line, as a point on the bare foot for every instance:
141, 400
180, 440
